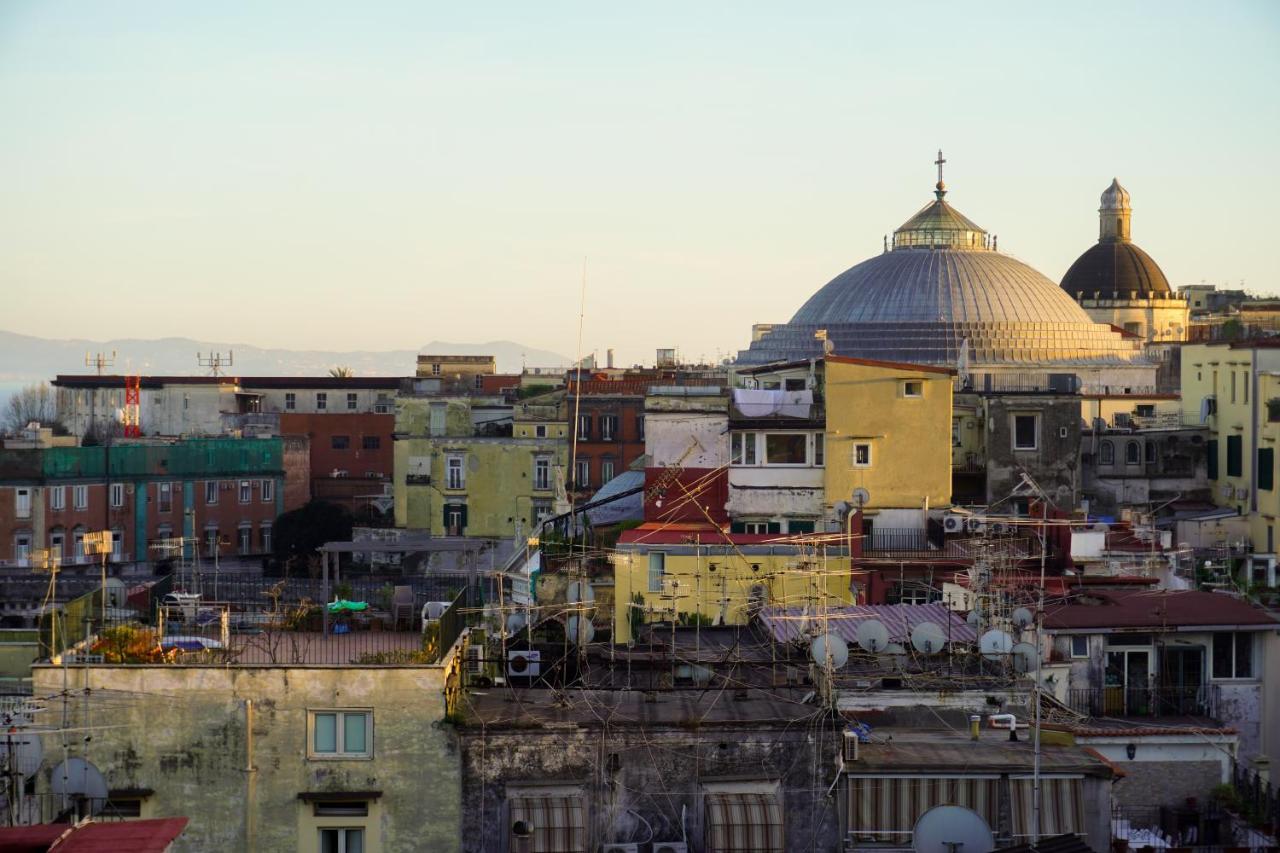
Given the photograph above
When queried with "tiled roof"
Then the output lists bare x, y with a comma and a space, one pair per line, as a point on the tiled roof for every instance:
136, 836
1165, 609
790, 623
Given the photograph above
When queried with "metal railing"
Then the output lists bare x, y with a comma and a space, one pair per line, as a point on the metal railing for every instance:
1142, 702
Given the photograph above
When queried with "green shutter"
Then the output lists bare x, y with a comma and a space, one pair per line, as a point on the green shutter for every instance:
1235, 456
1266, 468
1211, 454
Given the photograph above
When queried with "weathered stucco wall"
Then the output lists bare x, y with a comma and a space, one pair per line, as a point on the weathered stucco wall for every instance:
185, 733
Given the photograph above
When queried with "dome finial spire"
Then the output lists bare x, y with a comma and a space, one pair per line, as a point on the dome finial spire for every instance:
940, 189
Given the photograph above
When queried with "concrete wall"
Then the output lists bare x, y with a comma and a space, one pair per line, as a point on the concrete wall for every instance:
185, 733
1054, 463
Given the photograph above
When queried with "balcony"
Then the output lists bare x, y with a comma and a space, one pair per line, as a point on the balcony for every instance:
1190, 701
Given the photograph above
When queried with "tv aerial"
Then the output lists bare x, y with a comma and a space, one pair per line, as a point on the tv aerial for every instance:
1022, 617
995, 645
829, 650
928, 638
952, 829
873, 636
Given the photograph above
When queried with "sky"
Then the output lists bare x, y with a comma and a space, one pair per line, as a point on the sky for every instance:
380, 175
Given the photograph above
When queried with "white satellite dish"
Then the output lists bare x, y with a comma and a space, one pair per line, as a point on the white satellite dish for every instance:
516, 623
1024, 657
1022, 617
974, 617
995, 645
861, 497
579, 630
21, 751
77, 779
581, 592
952, 829
873, 636
829, 650
895, 649
928, 638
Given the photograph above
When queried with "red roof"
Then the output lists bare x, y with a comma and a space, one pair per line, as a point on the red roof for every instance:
1175, 610
136, 836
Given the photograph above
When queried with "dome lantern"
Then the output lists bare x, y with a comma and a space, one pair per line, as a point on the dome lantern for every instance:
1114, 214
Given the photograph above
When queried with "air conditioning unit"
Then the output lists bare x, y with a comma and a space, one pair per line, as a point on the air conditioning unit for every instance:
1000, 528
620, 848
952, 523
1226, 490
475, 660
526, 663
849, 748
670, 847
975, 525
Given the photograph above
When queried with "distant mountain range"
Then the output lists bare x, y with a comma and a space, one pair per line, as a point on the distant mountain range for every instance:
24, 358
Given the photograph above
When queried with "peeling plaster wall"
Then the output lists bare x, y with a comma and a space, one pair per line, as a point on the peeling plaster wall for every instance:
1054, 464
1239, 705
659, 773
182, 732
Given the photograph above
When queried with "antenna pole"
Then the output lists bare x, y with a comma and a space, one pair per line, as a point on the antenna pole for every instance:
216, 361
577, 395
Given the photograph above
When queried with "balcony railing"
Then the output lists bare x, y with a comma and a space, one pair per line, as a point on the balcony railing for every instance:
1191, 701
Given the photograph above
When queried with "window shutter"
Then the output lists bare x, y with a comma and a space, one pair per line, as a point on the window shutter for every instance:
1266, 468
1235, 445
1211, 451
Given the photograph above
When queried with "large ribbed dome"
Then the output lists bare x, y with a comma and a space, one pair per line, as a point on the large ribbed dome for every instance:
943, 289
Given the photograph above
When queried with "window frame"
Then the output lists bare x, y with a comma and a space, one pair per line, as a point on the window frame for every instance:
57, 499
340, 753
268, 490
455, 462
1106, 453
819, 454
581, 479
1075, 655
907, 392
353, 401
1234, 656
1132, 453
164, 497
1035, 430
342, 845
661, 565
804, 445
246, 491
211, 492
853, 454
80, 497
114, 491
541, 473
370, 442
322, 401
339, 442
606, 471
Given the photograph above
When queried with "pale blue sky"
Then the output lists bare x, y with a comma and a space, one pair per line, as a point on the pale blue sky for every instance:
377, 175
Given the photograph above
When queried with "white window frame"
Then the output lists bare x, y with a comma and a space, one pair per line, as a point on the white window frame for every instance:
542, 510
541, 473
266, 536
340, 753
744, 449
244, 538
907, 385
290, 401
57, 499
342, 837
608, 427
268, 488
246, 491
853, 454
22, 503
1035, 439
764, 451
1076, 655
656, 578
117, 495
22, 546
211, 492
117, 544
353, 401
58, 542
322, 401
164, 497
582, 473
455, 464
819, 452
606, 471
80, 497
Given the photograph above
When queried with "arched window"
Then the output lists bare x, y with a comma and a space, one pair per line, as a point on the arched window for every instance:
1107, 453
1132, 453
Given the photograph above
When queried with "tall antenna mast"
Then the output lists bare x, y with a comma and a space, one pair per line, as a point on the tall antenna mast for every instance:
577, 396
100, 361
216, 361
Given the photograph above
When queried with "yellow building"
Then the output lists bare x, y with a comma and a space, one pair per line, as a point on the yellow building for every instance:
477, 466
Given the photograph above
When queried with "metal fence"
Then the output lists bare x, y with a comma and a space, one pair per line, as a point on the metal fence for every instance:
1257, 799
1142, 702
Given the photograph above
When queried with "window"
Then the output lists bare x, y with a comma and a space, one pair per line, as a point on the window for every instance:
540, 431
608, 427
210, 492
349, 840
1266, 470
541, 473
245, 538
246, 492
582, 473
22, 503
1079, 645
541, 511
455, 475
80, 495
479, 381
1025, 428
1233, 386
322, 401
57, 498
212, 542
793, 385
268, 491
371, 442
22, 546
796, 525
742, 448
264, 536
1232, 655
340, 808
913, 388
164, 497
785, 448
1244, 381
757, 528
455, 519
382, 405
117, 544
435, 370
640, 427
1132, 453
1235, 446
1211, 458
584, 426
340, 442
77, 543
436, 424
606, 471
352, 402
1106, 453
290, 401
123, 808
819, 449
861, 454
117, 495
341, 734
1149, 452
657, 568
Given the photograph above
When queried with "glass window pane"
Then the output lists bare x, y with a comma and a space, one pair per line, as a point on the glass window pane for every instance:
328, 841
784, 448
1244, 656
353, 732
355, 841
749, 448
1222, 655
326, 733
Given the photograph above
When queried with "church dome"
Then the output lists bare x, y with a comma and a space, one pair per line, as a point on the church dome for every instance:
1115, 268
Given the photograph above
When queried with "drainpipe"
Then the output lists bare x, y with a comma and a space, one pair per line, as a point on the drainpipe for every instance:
251, 782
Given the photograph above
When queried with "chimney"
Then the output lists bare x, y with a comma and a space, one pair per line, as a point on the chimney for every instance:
608, 357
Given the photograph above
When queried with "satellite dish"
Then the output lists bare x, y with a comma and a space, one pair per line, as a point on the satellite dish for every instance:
895, 649
21, 751
973, 618
952, 829
1024, 657
861, 497
77, 779
579, 630
829, 650
1022, 617
928, 638
873, 636
995, 645
580, 592
516, 623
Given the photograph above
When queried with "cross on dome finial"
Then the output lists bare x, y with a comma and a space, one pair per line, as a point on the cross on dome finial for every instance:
940, 189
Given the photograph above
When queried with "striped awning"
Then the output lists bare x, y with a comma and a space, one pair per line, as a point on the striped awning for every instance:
558, 822
886, 808
744, 822
1061, 805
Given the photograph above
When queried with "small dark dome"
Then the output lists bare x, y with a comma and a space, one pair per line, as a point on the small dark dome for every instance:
1115, 269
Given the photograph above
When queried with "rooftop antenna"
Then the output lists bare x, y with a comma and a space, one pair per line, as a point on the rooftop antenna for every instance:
940, 189
100, 361
216, 361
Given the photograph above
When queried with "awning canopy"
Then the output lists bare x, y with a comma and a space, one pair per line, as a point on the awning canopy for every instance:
886, 808
558, 822
1061, 805
742, 821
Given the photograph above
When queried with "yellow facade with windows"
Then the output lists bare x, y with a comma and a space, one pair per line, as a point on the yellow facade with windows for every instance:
889, 432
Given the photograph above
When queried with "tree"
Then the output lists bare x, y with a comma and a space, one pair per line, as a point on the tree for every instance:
341, 372
35, 402
299, 532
